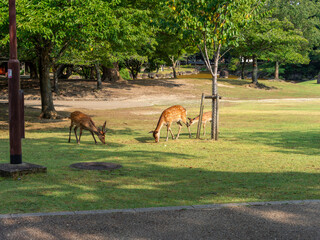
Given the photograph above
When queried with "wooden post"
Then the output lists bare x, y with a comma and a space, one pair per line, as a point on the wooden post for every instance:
14, 88
215, 118
22, 127
200, 116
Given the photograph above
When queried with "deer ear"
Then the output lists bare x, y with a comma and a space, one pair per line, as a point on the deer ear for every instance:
151, 131
104, 126
190, 119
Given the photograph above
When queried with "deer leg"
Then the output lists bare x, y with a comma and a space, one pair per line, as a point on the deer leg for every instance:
179, 130
184, 120
172, 135
204, 129
70, 132
168, 128
75, 133
188, 126
80, 134
180, 125
94, 138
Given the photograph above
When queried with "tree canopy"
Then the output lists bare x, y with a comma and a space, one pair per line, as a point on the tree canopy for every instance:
132, 32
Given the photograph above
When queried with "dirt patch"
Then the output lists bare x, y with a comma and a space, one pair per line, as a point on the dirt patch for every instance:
96, 166
80, 93
80, 89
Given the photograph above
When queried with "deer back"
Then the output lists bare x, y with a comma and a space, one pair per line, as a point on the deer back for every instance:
207, 116
83, 121
174, 114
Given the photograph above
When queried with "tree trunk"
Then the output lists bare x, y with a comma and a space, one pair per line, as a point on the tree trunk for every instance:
85, 71
174, 72
33, 70
92, 71
254, 69
99, 82
60, 71
174, 63
55, 79
215, 113
243, 65
214, 74
133, 73
134, 67
48, 110
111, 74
276, 72
104, 73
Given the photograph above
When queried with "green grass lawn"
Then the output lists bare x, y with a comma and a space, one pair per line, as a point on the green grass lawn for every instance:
234, 88
266, 151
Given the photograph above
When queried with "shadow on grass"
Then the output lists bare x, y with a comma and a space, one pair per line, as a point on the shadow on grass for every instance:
169, 83
144, 139
147, 178
79, 87
142, 182
31, 114
235, 82
293, 142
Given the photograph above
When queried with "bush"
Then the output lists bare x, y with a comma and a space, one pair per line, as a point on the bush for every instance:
124, 73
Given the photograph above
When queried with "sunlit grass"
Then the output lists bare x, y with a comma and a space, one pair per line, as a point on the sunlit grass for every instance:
266, 151
234, 88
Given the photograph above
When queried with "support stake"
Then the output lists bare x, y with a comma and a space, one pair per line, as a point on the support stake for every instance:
200, 116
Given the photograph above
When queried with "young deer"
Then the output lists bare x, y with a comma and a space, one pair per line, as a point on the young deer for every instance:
83, 121
207, 116
176, 114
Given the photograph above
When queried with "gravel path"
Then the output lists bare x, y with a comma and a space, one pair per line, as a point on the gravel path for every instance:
279, 220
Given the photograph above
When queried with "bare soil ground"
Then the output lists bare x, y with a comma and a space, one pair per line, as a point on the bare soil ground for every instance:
81, 89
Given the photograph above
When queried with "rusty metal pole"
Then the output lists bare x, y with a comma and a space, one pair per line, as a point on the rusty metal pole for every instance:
15, 126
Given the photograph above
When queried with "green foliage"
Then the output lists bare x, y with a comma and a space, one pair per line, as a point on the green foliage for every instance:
125, 74
303, 14
234, 63
213, 24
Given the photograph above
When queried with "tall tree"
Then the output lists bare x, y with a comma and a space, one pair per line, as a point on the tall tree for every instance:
51, 27
172, 41
270, 38
305, 16
213, 24
136, 32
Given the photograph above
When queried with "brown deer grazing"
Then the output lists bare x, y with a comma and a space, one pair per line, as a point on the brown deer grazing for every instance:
83, 121
207, 116
176, 114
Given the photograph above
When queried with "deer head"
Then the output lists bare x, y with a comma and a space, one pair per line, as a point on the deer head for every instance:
102, 132
155, 135
191, 121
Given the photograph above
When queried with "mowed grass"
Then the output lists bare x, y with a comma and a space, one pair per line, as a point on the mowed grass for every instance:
234, 88
266, 151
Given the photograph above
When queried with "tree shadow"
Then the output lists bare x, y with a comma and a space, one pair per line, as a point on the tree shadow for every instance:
31, 114
144, 139
235, 82
147, 180
169, 83
293, 142
82, 87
